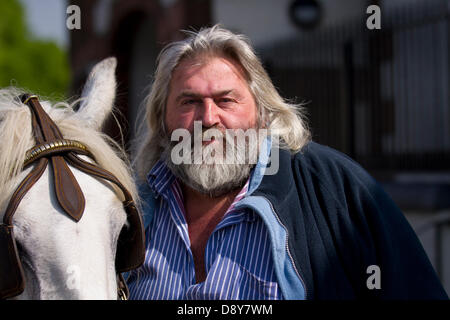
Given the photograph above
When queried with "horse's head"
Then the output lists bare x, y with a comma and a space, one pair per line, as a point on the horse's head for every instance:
63, 258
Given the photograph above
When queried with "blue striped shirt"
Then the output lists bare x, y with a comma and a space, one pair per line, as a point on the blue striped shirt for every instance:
238, 257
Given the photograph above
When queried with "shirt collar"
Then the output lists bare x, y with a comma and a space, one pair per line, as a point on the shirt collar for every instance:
160, 178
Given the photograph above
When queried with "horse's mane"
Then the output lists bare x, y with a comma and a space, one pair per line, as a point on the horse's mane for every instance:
16, 138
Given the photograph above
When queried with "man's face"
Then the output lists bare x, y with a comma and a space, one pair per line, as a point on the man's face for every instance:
212, 90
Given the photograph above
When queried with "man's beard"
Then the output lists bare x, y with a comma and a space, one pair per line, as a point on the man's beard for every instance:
216, 173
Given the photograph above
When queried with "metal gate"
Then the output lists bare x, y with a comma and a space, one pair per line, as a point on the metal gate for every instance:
381, 96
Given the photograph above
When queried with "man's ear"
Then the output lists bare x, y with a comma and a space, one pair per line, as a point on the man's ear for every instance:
98, 94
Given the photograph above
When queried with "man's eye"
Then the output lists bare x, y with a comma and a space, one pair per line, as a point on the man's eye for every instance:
189, 102
226, 100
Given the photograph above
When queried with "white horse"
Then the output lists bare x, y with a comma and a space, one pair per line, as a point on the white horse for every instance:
61, 258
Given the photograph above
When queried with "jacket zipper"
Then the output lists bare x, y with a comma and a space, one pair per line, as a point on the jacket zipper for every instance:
287, 246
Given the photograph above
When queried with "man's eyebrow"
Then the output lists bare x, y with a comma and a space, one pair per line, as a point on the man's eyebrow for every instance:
191, 94
187, 94
223, 93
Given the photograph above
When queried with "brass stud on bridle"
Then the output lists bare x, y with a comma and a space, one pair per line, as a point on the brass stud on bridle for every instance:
51, 147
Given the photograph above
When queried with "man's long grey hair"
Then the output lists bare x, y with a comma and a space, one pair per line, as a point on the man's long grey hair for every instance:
280, 117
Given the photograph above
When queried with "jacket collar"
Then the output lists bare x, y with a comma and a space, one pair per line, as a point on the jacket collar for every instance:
272, 175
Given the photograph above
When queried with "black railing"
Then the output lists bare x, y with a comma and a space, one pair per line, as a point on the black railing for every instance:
381, 96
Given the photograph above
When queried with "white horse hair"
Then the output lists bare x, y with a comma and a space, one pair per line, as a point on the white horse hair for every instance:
63, 259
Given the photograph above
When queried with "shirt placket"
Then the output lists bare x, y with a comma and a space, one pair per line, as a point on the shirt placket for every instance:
215, 241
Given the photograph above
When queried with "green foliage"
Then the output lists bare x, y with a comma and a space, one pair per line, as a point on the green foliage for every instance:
38, 66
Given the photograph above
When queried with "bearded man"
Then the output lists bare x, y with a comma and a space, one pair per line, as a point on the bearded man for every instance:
315, 227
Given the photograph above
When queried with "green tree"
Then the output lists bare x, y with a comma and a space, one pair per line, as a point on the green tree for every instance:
38, 66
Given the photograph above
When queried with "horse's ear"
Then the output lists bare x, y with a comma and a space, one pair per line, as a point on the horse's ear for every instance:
99, 93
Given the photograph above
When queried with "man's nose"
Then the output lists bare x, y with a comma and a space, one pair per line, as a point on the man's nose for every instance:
209, 113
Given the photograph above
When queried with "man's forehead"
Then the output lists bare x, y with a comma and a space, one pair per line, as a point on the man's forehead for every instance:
191, 66
213, 76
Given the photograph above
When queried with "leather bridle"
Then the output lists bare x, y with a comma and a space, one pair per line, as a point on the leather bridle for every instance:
52, 147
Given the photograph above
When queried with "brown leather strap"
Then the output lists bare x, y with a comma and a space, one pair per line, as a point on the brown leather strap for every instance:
67, 190
96, 171
131, 246
22, 189
122, 289
12, 280
45, 125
